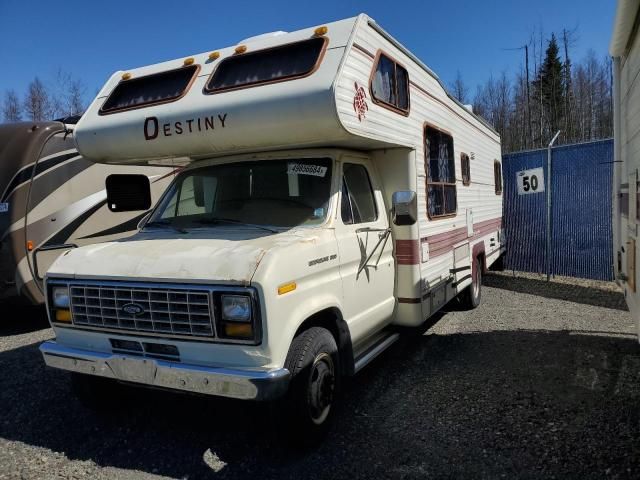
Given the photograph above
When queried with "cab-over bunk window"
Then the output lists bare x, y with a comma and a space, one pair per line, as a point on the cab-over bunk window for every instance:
441, 173
162, 87
390, 85
284, 62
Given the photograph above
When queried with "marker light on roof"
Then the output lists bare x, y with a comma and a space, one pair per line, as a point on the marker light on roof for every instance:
214, 55
126, 76
241, 48
321, 31
189, 61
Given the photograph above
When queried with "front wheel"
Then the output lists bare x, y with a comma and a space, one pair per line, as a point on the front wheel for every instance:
309, 404
472, 295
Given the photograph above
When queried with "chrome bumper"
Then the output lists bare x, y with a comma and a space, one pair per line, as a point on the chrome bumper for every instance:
244, 384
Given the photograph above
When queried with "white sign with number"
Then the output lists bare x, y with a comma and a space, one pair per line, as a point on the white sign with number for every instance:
530, 181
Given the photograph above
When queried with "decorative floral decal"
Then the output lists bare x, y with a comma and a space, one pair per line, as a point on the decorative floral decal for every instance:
360, 102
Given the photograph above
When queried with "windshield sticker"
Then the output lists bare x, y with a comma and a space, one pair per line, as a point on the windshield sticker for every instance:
4, 207
306, 169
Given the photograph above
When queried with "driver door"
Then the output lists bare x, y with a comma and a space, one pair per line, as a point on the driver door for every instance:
366, 251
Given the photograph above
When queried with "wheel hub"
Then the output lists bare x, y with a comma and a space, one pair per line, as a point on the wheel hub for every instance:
321, 388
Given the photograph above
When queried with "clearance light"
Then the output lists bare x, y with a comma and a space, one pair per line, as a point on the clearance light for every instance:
286, 288
238, 330
189, 61
63, 316
29, 245
214, 55
241, 48
126, 76
321, 31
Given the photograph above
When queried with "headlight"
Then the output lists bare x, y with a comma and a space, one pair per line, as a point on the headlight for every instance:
60, 297
236, 308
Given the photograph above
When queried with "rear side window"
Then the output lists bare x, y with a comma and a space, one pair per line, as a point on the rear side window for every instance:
497, 176
152, 89
358, 202
284, 62
465, 168
390, 85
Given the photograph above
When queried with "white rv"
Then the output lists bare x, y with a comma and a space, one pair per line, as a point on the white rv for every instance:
333, 192
625, 50
51, 200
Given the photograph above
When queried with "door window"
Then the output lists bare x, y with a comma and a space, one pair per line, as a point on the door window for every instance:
358, 201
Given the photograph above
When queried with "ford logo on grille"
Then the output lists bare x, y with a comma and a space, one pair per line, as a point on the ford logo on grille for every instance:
133, 309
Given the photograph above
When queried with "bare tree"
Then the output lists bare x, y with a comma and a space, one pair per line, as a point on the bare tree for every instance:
68, 95
37, 104
459, 89
11, 109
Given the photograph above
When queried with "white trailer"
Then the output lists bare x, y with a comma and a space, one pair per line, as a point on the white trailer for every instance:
333, 192
625, 50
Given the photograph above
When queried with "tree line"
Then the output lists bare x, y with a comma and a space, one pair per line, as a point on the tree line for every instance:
548, 93
63, 96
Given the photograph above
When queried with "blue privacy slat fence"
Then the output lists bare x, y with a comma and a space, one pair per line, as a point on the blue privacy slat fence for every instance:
580, 217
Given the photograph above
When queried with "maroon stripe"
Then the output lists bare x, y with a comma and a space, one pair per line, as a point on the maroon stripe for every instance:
443, 243
407, 252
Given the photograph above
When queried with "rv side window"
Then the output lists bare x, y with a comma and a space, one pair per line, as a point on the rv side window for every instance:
497, 176
465, 168
284, 62
441, 174
152, 89
390, 85
358, 203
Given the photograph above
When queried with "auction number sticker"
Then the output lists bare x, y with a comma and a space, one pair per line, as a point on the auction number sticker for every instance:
530, 181
4, 207
306, 169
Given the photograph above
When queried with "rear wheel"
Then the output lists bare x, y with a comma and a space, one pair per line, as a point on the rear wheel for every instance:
309, 405
472, 295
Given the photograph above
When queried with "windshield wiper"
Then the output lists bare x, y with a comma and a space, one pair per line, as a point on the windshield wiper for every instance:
164, 223
217, 220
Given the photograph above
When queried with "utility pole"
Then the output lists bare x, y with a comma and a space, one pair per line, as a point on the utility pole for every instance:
526, 63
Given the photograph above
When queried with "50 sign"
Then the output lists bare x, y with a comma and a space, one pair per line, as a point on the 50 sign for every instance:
530, 181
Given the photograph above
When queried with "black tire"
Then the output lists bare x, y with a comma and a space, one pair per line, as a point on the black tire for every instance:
472, 295
307, 409
98, 393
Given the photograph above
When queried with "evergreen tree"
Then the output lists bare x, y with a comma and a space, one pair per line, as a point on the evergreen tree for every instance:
549, 88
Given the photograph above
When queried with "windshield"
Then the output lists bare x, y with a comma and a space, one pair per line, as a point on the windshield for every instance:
278, 193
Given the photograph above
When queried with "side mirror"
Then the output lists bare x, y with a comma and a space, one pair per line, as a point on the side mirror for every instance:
128, 193
404, 207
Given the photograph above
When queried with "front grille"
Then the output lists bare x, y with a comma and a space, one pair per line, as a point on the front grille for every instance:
158, 310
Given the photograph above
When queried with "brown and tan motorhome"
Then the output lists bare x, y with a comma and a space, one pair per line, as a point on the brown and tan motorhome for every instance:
51, 200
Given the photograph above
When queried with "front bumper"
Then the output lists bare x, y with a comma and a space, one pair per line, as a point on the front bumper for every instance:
244, 384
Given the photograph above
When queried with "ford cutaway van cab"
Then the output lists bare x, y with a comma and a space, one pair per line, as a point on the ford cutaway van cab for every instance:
332, 192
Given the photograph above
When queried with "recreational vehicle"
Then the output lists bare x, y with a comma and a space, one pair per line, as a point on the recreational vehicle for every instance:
332, 193
625, 50
52, 200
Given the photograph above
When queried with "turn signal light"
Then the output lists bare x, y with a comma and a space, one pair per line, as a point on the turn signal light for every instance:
63, 316
241, 48
244, 330
189, 61
321, 31
126, 76
29, 245
286, 288
214, 55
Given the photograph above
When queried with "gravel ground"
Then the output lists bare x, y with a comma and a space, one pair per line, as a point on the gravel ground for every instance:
542, 380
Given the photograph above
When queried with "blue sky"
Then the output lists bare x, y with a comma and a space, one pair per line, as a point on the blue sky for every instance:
91, 39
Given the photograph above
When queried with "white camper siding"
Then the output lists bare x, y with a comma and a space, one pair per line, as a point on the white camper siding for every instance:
430, 104
629, 144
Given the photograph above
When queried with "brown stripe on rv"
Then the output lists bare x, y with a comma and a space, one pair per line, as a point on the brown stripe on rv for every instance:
408, 300
407, 252
443, 243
